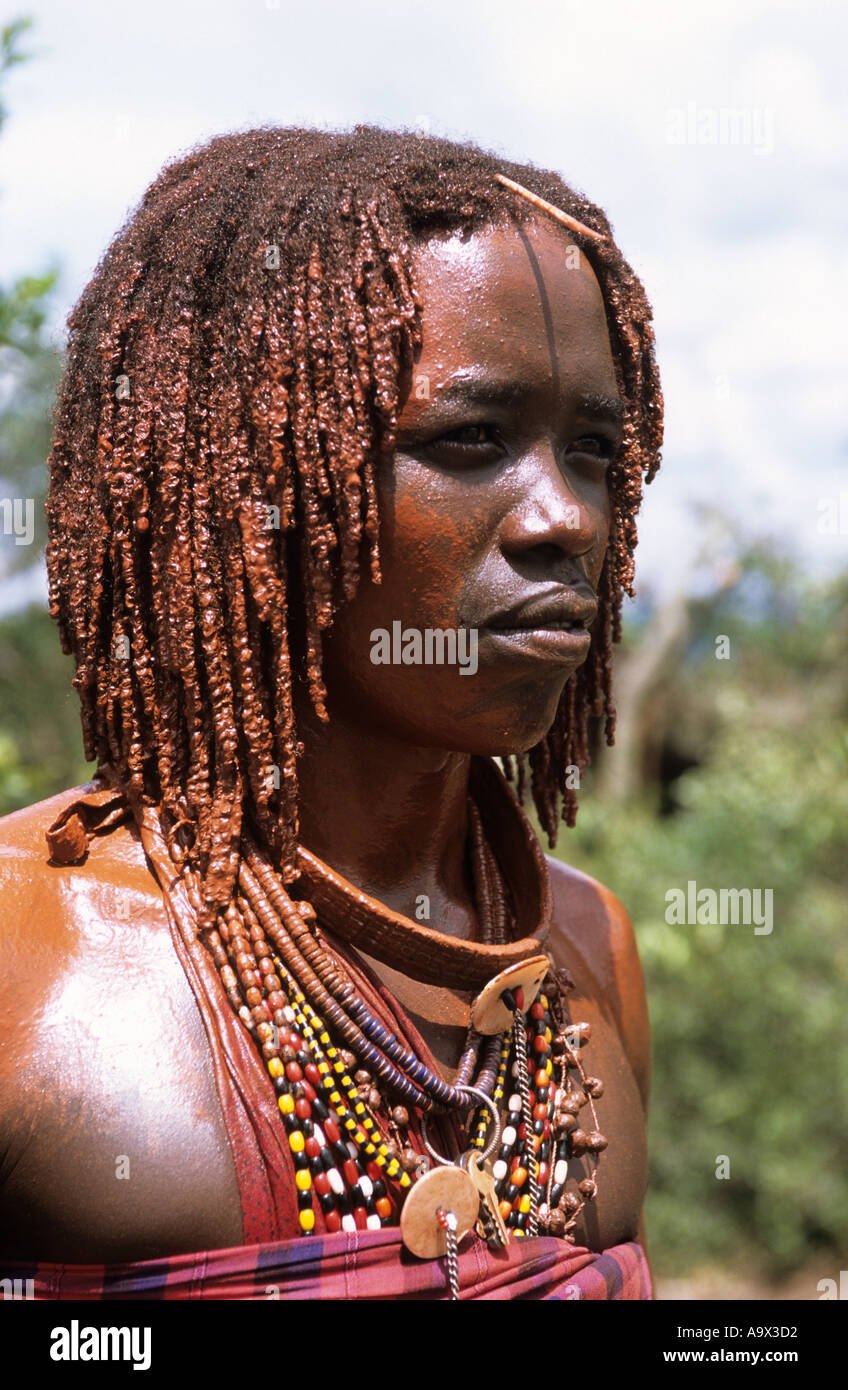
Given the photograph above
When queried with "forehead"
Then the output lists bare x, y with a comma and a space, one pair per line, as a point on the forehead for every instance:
522, 297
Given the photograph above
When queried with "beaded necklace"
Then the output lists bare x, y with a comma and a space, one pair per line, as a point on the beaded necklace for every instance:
358, 1104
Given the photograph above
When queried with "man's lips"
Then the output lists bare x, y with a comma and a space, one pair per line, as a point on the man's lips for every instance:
563, 611
551, 627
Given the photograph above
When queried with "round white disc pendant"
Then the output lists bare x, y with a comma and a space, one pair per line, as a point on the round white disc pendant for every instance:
452, 1190
489, 1014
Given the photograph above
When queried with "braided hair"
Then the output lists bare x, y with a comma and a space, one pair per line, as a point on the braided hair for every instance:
232, 385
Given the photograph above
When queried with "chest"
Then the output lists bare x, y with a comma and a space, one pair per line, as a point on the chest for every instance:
116, 1144
118, 1148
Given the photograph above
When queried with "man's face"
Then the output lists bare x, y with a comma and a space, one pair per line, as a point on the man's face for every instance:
494, 511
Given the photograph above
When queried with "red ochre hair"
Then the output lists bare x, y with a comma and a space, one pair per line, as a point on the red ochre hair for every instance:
240, 348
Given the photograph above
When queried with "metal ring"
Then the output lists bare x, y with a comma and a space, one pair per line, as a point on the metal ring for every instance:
496, 1129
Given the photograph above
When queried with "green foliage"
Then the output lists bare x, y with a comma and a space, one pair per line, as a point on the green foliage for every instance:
22, 312
750, 1036
29, 374
40, 742
40, 738
29, 380
10, 53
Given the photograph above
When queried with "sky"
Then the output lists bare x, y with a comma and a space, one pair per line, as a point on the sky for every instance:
712, 132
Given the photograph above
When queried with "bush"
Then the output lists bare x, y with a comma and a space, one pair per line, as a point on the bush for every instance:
749, 1031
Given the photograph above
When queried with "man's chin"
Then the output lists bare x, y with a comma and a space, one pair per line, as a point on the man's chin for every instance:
512, 742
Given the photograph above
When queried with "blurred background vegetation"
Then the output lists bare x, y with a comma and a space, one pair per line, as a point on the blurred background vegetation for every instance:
40, 740
732, 771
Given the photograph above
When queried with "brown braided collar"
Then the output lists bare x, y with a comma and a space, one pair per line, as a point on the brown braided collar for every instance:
419, 951
364, 922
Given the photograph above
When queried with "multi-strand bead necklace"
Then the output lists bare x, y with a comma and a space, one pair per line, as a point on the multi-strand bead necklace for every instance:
358, 1104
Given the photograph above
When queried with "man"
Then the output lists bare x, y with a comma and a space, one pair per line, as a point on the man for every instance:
323, 388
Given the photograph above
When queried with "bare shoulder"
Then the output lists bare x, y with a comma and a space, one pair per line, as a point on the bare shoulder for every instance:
592, 935
104, 1056
27, 878
57, 919
27, 872
39, 895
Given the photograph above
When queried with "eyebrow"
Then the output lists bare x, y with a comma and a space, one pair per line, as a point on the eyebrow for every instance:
603, 407
473, 390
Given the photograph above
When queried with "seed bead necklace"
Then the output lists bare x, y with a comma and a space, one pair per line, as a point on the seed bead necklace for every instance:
356, 1101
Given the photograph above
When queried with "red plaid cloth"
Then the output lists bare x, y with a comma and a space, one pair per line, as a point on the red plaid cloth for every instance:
362, 1264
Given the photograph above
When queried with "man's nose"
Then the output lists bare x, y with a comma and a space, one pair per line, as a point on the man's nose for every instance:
549, 515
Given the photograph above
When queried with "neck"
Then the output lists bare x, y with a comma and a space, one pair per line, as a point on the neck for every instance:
389, 817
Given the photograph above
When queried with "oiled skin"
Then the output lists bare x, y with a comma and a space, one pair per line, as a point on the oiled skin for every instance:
105, 1059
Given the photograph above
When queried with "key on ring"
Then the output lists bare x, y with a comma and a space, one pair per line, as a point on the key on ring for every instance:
484, 1182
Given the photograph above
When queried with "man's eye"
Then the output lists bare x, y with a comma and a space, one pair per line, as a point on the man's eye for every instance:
468, 434
597, 445
466, 446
